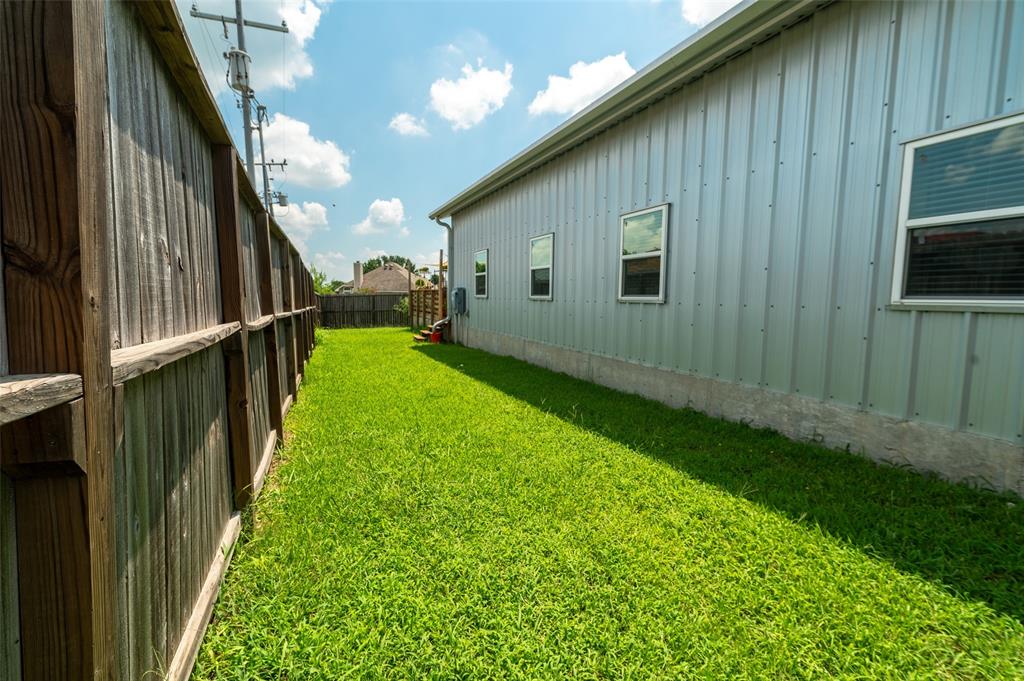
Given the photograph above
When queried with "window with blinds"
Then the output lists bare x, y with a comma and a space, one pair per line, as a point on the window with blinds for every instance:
961, 232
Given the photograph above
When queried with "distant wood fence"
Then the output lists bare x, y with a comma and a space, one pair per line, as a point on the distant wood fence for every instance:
423, 306
156, 326
361, 310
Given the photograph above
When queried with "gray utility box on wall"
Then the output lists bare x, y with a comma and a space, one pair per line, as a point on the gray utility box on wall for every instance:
459, 301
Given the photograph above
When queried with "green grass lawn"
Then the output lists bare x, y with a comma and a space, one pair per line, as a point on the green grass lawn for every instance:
444, 513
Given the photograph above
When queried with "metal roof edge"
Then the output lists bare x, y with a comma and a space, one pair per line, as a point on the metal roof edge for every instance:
737, 30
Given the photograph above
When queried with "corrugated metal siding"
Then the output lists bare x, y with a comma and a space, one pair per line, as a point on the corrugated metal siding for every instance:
782, 170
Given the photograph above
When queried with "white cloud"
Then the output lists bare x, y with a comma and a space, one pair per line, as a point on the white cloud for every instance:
332, 264
407, 124
703, 12
278, 60
586, 82
311, 162
300, 221
1010, 139
383, 216
475, 95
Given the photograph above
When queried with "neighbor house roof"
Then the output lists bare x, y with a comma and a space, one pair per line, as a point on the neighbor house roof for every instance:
390, 278
736, 31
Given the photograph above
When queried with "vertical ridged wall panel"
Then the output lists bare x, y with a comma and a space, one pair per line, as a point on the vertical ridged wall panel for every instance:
782, 171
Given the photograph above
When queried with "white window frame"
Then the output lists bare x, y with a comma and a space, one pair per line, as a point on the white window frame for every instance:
486, 275
906, 225
663, 254
550, 268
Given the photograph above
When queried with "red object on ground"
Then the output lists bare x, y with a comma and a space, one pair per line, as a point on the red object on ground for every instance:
435, 337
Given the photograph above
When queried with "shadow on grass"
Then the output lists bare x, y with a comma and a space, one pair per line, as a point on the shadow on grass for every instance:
968, 540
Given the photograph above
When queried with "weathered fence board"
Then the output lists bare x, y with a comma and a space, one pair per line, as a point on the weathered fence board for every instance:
282, 359
132, 266
423, 306
10, 631
361, 310
252, 293
261, 429
174, 501
277, 264
10, 644
165, 255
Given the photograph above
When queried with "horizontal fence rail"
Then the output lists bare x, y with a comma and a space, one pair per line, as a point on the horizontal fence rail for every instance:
157, 322
362, 310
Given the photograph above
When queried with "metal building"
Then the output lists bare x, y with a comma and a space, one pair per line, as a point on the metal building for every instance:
840, 252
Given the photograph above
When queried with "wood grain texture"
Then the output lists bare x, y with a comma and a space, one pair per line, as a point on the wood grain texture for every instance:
267, 276
185, 656
260, 398
289, 277
282, 363
260, 322
362, 310
249, 217
134, 361
51, 502
176, 495
277, 271
120, 230
291, 358
24, 395
164, 260
54, 151
121, 529
10, 627
274, 397
264, 464
168, 32
236, 347
48, 443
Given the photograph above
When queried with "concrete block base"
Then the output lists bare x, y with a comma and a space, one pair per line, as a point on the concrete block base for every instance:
961, 457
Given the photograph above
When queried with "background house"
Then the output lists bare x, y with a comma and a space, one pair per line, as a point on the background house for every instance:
809, 216
388, 278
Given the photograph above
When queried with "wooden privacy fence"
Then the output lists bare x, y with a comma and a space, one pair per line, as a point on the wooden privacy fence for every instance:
426, 306
361, 310
156, 322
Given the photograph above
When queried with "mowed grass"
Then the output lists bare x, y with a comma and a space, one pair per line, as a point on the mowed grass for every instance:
444, 513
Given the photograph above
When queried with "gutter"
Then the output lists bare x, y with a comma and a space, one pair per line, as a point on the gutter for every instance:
732, 34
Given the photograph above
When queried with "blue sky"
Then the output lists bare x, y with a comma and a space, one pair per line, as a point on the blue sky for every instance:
386, 109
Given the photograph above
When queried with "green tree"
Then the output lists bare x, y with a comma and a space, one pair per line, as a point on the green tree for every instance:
373, 263
320, 284
335, 284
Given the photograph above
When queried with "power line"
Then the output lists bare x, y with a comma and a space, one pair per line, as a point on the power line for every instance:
238, 67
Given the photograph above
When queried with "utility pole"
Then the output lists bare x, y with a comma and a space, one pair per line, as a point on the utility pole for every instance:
268, 198
239, 63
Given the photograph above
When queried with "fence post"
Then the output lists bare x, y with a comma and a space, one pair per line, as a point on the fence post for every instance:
55, 226
236, 347
266, 272
298, 332
288, 290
